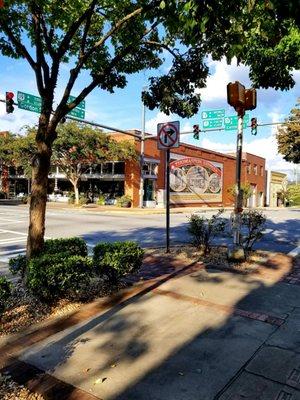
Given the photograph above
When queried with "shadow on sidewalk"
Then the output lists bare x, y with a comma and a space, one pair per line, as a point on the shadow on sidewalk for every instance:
169, 342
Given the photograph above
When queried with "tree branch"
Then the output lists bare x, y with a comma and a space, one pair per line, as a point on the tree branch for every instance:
48, 37
73, 29
163, 45
19, 46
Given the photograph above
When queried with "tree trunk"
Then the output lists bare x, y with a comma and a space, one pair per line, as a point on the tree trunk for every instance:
76, 191
40, 171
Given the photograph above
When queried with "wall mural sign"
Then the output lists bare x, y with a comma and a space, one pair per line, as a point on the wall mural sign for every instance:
194, 180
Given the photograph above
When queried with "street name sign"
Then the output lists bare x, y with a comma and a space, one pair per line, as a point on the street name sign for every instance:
212, 123
29, 102
231, 122
213, 114
78, 111
168, 135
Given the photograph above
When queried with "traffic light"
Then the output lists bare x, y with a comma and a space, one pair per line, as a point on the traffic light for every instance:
196, 131
9, 102
250, 99
253, 126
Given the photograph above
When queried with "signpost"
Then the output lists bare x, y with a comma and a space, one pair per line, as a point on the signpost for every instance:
213, 114
212, 123
167, 138
33, 103
78, 111
231, 122
29, 102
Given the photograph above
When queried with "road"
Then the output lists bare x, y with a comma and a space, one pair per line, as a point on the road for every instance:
282, 230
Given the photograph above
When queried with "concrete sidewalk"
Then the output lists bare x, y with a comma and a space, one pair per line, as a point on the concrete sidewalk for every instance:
181, 332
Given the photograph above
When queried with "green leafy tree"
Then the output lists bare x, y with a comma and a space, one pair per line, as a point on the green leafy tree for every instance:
79, 146
245, 189
113, 39
288, 136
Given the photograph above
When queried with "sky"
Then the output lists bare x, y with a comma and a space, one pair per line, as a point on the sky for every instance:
123, 109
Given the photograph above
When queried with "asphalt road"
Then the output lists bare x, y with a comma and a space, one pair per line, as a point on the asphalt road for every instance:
282, 230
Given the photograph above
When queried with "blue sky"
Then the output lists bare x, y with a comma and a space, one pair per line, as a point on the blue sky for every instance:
123, 108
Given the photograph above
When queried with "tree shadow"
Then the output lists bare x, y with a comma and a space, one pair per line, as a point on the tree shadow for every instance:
184, 336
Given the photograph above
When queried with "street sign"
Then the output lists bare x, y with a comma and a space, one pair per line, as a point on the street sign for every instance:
29, 102
212, 123
213, 114
168, 135
78, 111
231, 122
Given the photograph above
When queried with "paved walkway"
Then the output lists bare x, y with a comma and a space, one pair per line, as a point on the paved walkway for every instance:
180, 332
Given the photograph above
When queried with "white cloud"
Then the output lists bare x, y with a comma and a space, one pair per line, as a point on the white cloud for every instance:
216, 86
151, 124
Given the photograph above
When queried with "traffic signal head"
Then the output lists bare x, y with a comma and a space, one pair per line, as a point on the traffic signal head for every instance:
250, 99
236, 94
253, 126
196, 131
9, 102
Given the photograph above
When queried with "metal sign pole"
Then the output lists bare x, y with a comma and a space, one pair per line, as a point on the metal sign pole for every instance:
239, 194
168, 201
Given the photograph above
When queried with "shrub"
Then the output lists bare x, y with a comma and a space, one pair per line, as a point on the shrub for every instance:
17, 265
5, 291
59, 276
203, 230
101, 200
253, 224
124, 201
73, 246
71, 199
117, 259
83, 200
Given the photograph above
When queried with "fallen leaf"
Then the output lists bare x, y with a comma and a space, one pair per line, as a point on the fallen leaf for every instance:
113, 365
86, 370
103, 379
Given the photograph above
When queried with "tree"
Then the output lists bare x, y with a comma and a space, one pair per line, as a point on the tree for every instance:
288, 136
112, 39
7, 141
79, 146
245, 189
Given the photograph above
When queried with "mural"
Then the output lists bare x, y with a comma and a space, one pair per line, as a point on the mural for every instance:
193, 180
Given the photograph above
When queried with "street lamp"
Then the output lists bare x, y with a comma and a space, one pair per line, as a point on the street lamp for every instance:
241, 99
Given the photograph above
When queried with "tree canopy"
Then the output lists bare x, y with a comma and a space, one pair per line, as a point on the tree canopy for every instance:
288, 136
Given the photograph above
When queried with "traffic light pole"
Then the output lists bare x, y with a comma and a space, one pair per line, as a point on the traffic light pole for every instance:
239, 193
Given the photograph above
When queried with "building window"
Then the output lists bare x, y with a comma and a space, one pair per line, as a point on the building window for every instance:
119, 168
261, 171
107, 168
255, 169
249, 169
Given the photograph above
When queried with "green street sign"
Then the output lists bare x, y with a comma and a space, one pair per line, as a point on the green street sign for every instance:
78, 111
231, 122
212, 123
29, 102
213, 114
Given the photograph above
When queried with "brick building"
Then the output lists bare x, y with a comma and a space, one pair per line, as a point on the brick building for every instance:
199, 177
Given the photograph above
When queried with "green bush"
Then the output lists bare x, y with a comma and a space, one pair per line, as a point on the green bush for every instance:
101, 200
5, 291
253, 224
124, 201
117, 259
73, 246
71, 199
17, 265
83, 200
203, 230
60, 275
